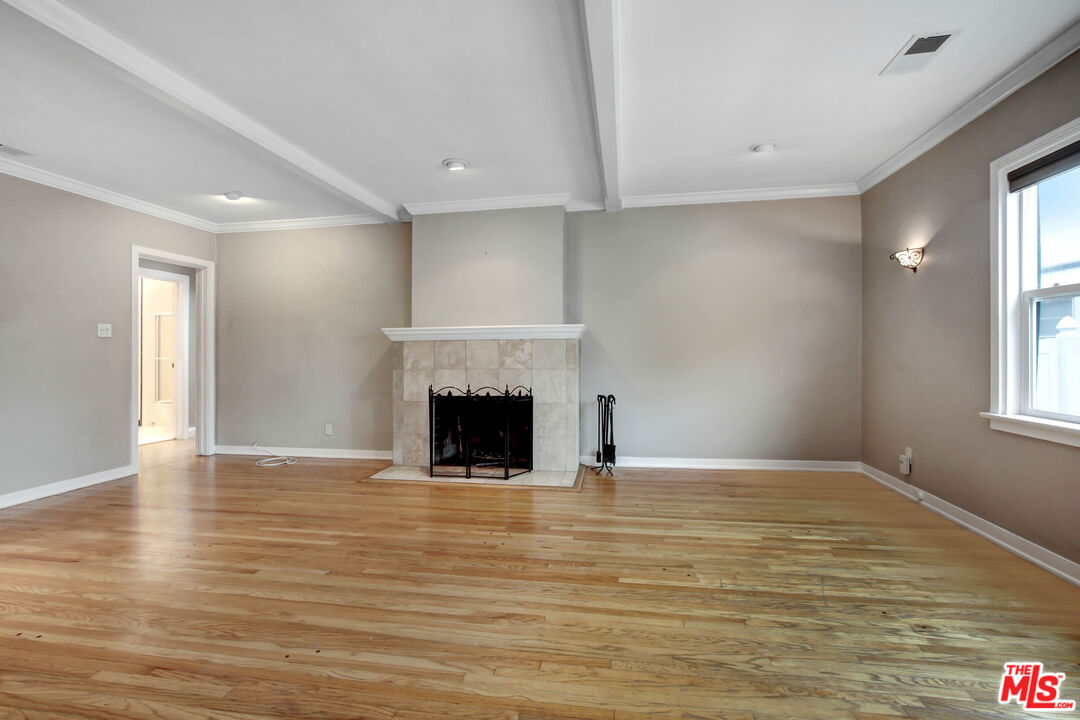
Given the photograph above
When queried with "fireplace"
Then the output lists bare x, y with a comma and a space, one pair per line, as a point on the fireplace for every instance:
480, 433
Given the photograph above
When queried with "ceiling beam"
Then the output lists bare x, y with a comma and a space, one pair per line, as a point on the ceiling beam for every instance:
175, 88
600, 19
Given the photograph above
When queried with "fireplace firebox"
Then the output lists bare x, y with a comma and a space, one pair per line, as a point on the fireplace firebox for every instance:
480, 433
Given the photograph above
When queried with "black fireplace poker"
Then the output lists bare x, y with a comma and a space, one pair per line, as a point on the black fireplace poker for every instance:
605, 433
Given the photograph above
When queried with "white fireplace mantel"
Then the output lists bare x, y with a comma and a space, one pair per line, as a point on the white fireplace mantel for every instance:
487, 332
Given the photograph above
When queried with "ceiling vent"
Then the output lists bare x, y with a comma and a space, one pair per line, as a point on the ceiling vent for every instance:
917, 53
13, 152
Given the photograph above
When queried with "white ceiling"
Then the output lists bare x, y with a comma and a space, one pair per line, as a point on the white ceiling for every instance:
345, 108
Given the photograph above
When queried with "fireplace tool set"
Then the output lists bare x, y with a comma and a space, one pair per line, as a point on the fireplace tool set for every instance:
605, 433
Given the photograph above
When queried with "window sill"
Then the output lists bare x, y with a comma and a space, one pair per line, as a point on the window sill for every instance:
1058, 431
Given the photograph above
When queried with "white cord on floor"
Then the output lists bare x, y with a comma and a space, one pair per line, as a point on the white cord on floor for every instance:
273, 460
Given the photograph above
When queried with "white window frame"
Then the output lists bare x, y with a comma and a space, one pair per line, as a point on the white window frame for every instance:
1012, 311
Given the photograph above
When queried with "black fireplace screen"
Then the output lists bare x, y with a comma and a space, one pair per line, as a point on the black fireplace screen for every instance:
480, 433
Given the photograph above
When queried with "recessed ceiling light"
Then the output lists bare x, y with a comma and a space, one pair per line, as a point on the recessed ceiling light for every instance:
234, 195
454, 164
765, 147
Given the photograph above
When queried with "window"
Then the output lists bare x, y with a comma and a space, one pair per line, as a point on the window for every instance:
1035, 281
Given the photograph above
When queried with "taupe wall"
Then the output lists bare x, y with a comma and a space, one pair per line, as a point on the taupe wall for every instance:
926, 337
298, 335
724, 331
65, 266
499, 267
192, 333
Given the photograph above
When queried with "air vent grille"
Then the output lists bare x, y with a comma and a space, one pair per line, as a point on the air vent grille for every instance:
927, 44
917, 53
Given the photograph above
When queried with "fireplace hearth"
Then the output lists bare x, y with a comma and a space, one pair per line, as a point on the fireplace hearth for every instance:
480, 433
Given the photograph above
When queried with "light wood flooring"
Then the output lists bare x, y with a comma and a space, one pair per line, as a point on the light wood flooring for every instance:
209, 588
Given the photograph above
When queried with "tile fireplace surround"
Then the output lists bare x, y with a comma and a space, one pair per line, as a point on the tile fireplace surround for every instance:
542, 357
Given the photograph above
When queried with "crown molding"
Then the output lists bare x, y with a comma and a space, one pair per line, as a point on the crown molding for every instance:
168, 82
512, 202
728, 196
44, 177
297, 223
1050, 54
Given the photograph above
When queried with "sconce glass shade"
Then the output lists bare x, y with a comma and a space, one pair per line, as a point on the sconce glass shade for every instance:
908, 257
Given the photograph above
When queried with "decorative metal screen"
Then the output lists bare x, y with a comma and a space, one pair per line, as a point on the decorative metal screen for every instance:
480, 433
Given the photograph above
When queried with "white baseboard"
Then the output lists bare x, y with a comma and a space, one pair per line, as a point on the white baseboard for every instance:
1048, 560
188, 434
344, 454
56, 488
676, 463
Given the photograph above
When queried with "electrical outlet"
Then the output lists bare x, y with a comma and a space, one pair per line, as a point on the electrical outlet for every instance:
329, 430
909, 453
104, 330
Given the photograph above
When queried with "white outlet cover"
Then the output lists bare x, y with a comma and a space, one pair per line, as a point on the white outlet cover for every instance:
104, 330
329, 430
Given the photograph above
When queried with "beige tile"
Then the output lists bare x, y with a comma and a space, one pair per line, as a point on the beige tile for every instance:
549, 386
399, 384
416, 385
451, 378
397, 355
450, 354
416, 450
549, 354
414, 418
399, 452
573, 386
512, 378
573, 419
482, 354
549, 454
573, 457
572, 357
515, 354
476, 378
549, 420
419, 355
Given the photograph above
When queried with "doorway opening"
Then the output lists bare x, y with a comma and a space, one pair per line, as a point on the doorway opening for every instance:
164, 330
172, 346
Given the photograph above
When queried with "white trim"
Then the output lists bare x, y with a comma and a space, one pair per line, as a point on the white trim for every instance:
751, 195
345, 454
296, 223
1048, 560
19, 497
1008, 375
1059, 431
1030, 68
183, 312
190, 433
679, 463
44, 177
487, 332
510, 202
179, 89
205, 294
600, 20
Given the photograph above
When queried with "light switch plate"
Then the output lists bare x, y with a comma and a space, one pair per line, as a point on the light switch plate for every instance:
104, 330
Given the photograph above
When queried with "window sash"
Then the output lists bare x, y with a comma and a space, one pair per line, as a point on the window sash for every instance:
1029, 336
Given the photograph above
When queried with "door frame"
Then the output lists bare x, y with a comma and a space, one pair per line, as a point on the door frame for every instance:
180, 402
204, 312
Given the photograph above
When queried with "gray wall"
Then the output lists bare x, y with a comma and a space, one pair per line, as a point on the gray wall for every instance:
926, 337
724, 331
499, 267
298, 335
65, 265
192, 333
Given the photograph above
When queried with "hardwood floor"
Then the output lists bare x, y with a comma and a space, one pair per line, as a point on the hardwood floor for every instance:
209, 588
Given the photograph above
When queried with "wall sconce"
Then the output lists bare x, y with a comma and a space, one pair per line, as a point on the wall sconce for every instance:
908, 258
